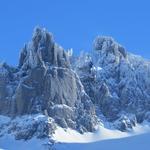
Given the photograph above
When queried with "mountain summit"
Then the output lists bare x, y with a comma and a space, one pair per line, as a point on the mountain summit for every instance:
117, 82
41, 50
45, 83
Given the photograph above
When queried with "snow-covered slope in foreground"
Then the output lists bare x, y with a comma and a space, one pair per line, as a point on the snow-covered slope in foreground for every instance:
138, 142
102, 133
103, 138
9, 143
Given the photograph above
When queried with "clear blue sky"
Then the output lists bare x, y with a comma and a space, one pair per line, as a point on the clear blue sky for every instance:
74, 23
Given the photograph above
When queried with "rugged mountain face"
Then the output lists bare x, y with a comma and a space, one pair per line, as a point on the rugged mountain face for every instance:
46, 90
117, 82
44, 83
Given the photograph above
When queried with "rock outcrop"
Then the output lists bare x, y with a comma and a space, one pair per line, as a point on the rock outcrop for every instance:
116, 81
45, 83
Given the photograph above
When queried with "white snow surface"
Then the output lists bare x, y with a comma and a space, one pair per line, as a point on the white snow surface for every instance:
9, 143
68, 139
138, 142
104, 139
102, 133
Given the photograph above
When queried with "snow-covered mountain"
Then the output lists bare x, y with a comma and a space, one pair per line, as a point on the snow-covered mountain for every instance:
51, 89
117, 82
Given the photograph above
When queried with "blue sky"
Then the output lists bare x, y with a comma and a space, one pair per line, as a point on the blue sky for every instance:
74, 24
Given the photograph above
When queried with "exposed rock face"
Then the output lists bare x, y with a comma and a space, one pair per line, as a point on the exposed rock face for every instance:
108, 46
116, 81
45, 83
41, 51
111, 81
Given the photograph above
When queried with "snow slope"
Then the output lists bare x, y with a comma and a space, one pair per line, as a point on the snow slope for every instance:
69, 139
9, 143
104, 139
102, 133
138, 142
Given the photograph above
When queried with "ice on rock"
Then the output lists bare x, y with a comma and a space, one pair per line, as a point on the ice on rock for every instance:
121, 84
108, 44
44, 83
52, 88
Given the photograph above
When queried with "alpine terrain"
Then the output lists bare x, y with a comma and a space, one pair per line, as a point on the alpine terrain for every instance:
54, 100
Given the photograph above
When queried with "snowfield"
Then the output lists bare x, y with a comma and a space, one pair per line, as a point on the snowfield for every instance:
102, 133
9, 143
68, 139
104, 139
138, 142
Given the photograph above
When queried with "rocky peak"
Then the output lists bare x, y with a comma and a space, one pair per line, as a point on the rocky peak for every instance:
108, 46
44, 83
42, 50
121, 82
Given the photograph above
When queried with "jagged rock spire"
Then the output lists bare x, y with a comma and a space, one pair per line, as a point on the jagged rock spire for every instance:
42, 50
108, 45
45, 83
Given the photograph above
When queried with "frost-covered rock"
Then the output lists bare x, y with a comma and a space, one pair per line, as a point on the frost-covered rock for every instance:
120, 81
42, 50
107, 45
27, 126
45, 83
125, 123
66, 90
